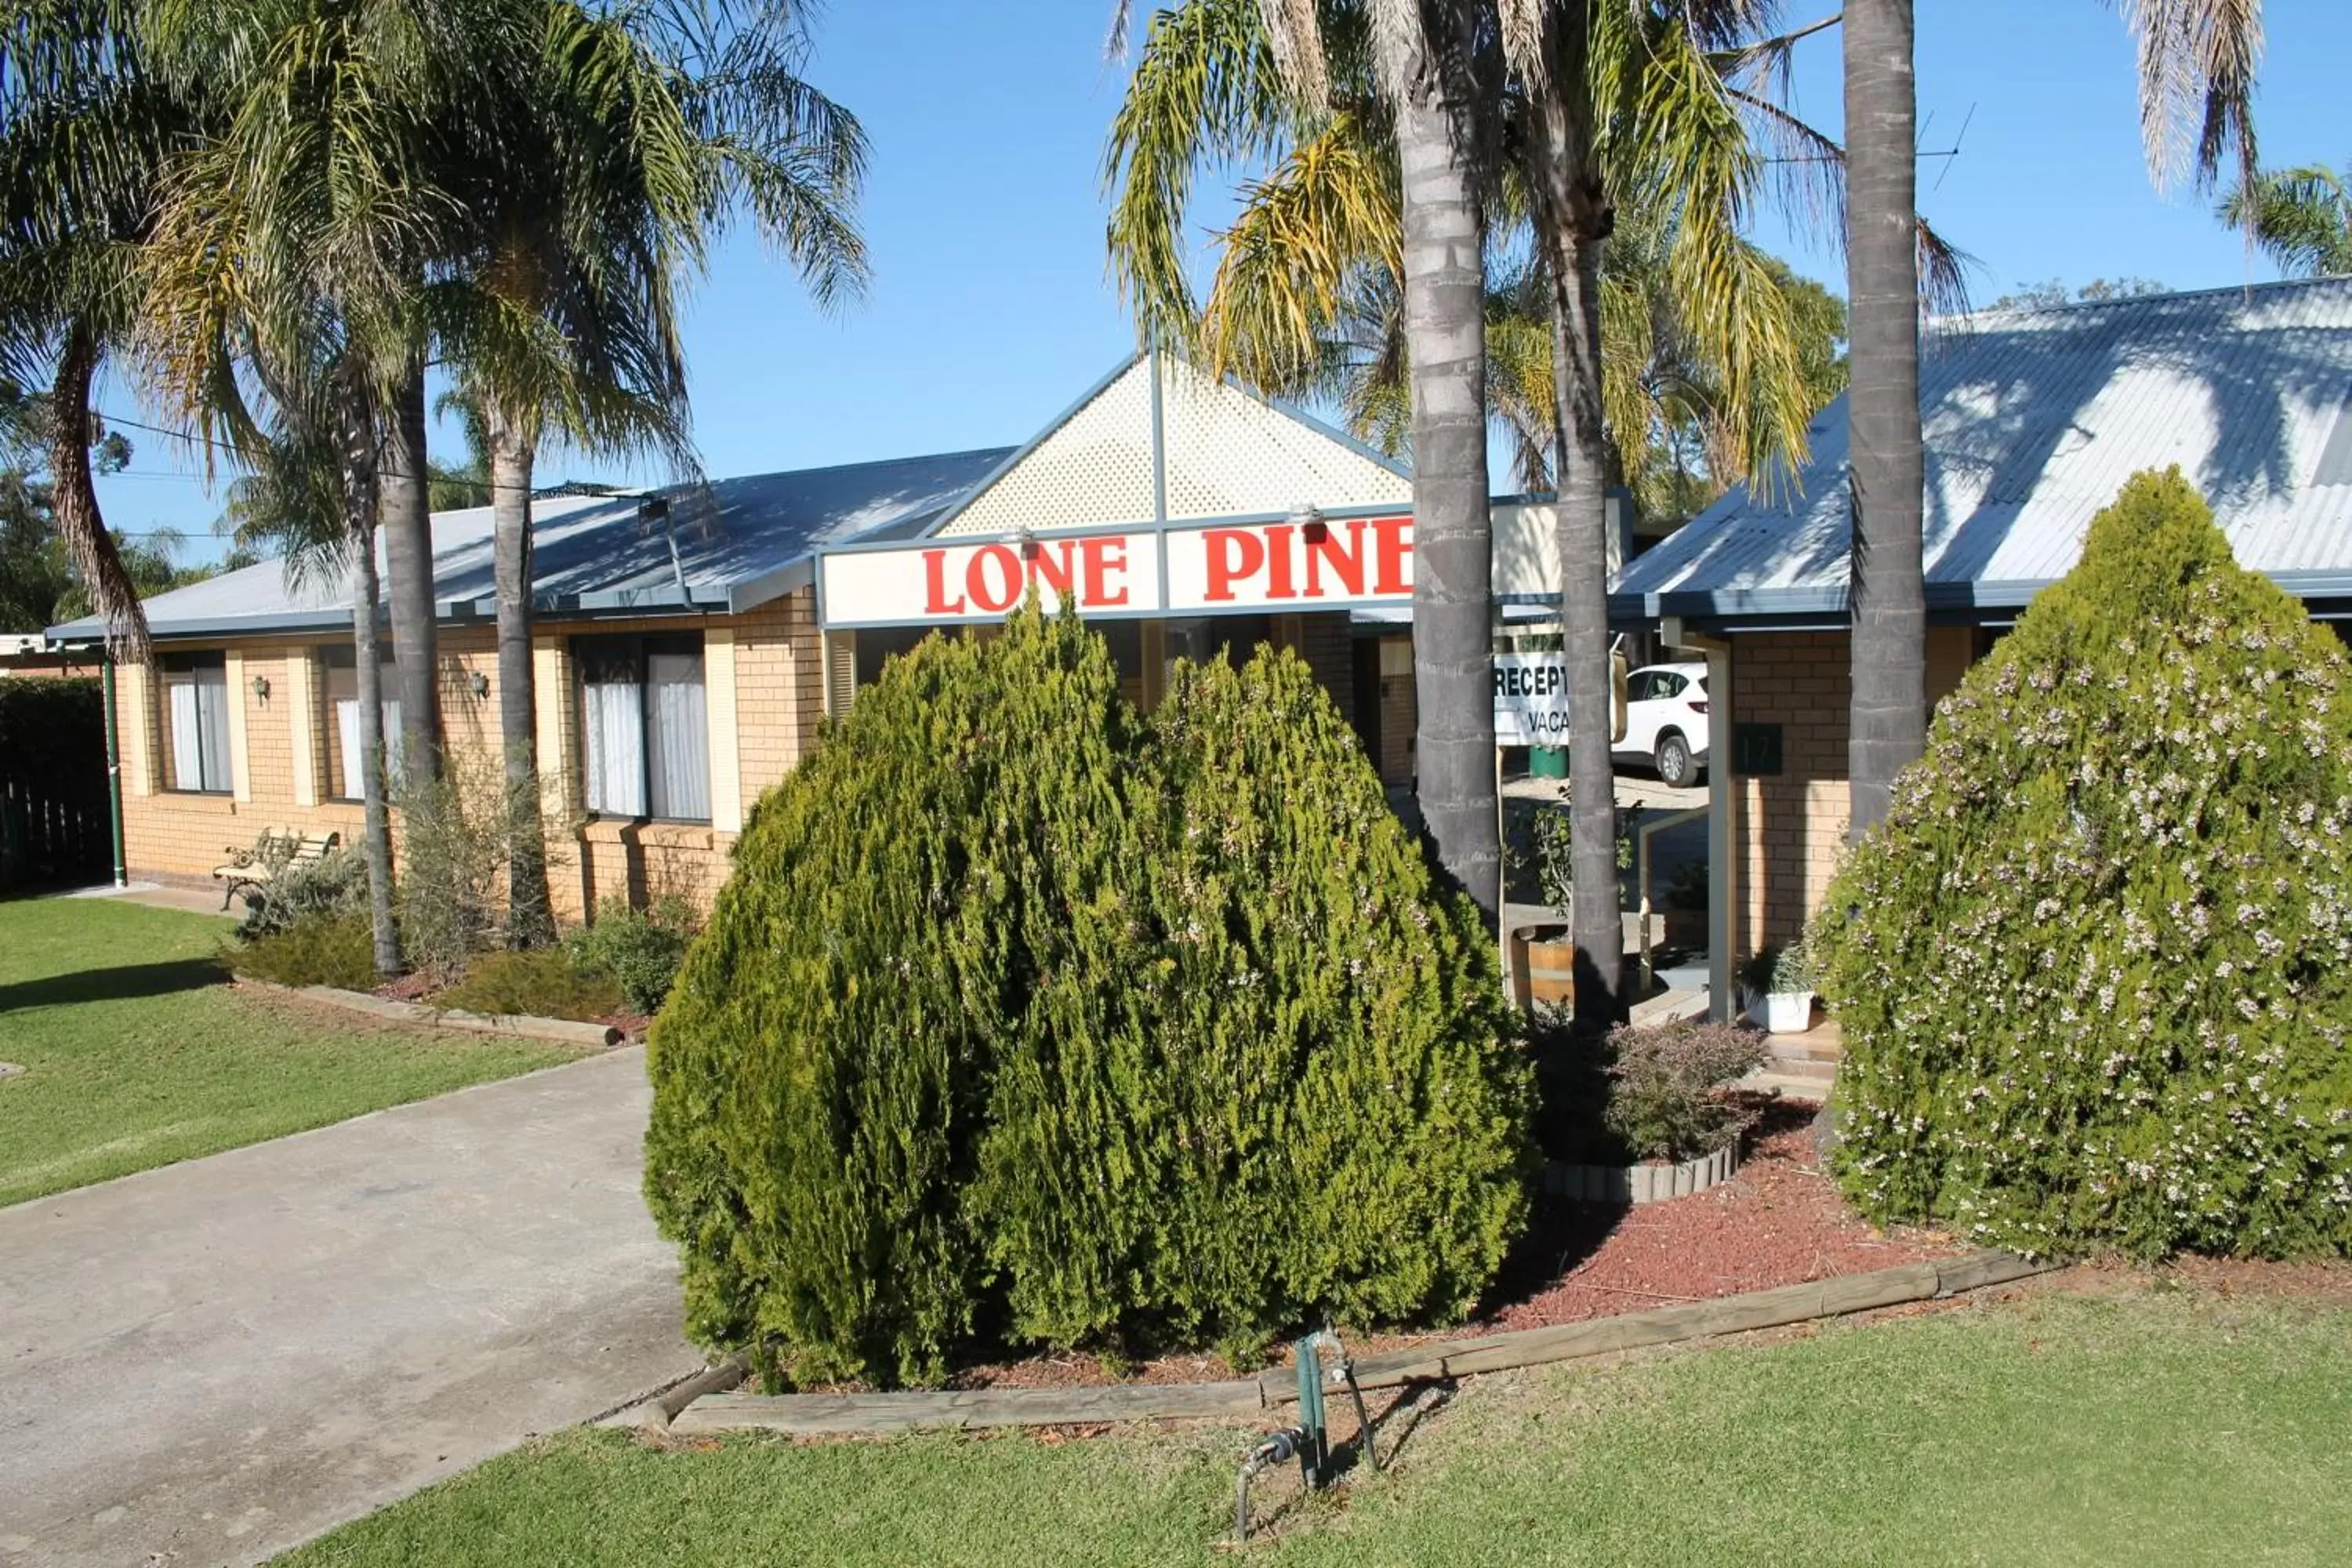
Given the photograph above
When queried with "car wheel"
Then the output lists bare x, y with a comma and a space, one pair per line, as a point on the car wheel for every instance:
1675, 768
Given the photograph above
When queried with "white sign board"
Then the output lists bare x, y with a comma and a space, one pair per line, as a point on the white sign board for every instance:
1531, 699
1289, 566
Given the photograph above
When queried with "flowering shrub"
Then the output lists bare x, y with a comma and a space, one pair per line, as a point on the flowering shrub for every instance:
2094, 973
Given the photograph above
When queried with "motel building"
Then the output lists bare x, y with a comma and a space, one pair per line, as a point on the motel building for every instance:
687, 642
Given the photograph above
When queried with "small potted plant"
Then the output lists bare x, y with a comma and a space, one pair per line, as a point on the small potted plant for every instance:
1756, 980
1789, 1001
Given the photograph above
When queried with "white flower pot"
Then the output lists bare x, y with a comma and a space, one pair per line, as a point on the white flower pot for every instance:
1788, 1012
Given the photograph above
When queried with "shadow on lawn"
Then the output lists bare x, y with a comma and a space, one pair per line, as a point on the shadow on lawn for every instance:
119, 984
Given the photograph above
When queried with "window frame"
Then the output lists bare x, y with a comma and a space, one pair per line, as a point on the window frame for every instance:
192, 665
639, 647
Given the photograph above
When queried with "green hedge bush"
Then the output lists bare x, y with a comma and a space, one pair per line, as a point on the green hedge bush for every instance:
2095, 974
336, 950
1021, 1016
640, 950
542, 983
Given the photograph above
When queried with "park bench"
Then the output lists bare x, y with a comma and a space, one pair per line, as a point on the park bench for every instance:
249, 871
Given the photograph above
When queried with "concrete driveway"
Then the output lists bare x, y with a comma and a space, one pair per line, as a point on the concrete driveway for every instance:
210, 1362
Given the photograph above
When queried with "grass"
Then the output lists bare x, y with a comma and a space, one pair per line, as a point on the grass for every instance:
2148, 1427
139, 1053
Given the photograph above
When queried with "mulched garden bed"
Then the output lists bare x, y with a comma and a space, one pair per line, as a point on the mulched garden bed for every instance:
1779, 1222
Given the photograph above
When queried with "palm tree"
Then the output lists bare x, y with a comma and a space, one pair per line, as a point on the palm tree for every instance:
1658, 104
622, 155
1231, 77
84, 126
310, 457
2300, 217
295, 242
2195, 91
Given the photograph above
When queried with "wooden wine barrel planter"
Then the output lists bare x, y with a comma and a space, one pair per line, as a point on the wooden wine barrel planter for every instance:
1543, 965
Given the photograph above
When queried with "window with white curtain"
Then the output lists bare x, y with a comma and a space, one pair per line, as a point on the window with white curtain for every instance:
341, 694
196, 711
645, 728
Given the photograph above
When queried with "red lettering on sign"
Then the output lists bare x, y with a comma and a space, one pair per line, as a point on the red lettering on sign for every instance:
1010, 581
935, 587
1347, 565
1104, 557
1234, 553
1277, 560
1389, 548
1044, 573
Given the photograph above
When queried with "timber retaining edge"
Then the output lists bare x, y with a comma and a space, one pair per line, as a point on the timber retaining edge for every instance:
850, 1415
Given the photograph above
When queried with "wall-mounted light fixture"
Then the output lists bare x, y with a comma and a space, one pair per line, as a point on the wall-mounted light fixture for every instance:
262, 689
481, 684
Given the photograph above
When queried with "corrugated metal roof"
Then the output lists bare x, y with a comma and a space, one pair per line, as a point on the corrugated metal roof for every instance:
740, 542
2034, 419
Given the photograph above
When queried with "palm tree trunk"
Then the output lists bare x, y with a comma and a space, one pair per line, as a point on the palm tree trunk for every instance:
1574, 220
74, 497
531, 921
408, 552
355, 436
1453, 638
1889, 714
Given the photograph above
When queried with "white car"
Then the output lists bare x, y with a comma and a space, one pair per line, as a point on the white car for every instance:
1666, 721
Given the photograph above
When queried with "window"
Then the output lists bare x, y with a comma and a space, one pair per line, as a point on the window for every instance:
343, 708
1640, 686
195, 696
645, 730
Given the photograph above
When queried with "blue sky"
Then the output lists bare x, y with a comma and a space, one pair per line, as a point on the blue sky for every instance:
991, 308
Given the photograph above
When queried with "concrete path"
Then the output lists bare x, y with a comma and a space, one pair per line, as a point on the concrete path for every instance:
208, 1363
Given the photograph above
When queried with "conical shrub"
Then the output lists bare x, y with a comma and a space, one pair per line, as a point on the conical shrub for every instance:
2094, 973
1020, 1015
822, 1070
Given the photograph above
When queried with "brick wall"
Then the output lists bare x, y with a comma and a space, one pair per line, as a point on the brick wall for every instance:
778, 703
1788, 831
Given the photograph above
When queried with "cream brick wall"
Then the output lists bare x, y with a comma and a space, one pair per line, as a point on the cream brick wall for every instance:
778, 700
1788, 832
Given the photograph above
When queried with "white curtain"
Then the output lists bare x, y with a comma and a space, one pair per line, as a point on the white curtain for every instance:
347, 733
187, 735
613, 729
678, 736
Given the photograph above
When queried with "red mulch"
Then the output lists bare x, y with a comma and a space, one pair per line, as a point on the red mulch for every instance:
408, 988
1779, 1222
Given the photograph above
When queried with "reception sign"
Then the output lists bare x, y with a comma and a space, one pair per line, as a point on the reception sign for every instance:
1531, 699
1189, 569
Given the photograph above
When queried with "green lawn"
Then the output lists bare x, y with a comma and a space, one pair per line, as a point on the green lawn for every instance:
2152, 1427
139, 1053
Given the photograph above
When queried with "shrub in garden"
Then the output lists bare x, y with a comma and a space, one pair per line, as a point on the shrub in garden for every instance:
821, 1070
540, 984
454, 836
639, 949
1018, 1013
336, 950
1641, 1091
1314, 1105
329, 887
2094, 973
1666, 1098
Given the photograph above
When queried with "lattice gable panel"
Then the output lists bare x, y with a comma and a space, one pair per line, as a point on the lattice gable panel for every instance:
1228, 454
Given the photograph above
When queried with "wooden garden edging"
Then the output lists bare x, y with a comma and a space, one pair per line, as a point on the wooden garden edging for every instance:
842, 1415
517, 1026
